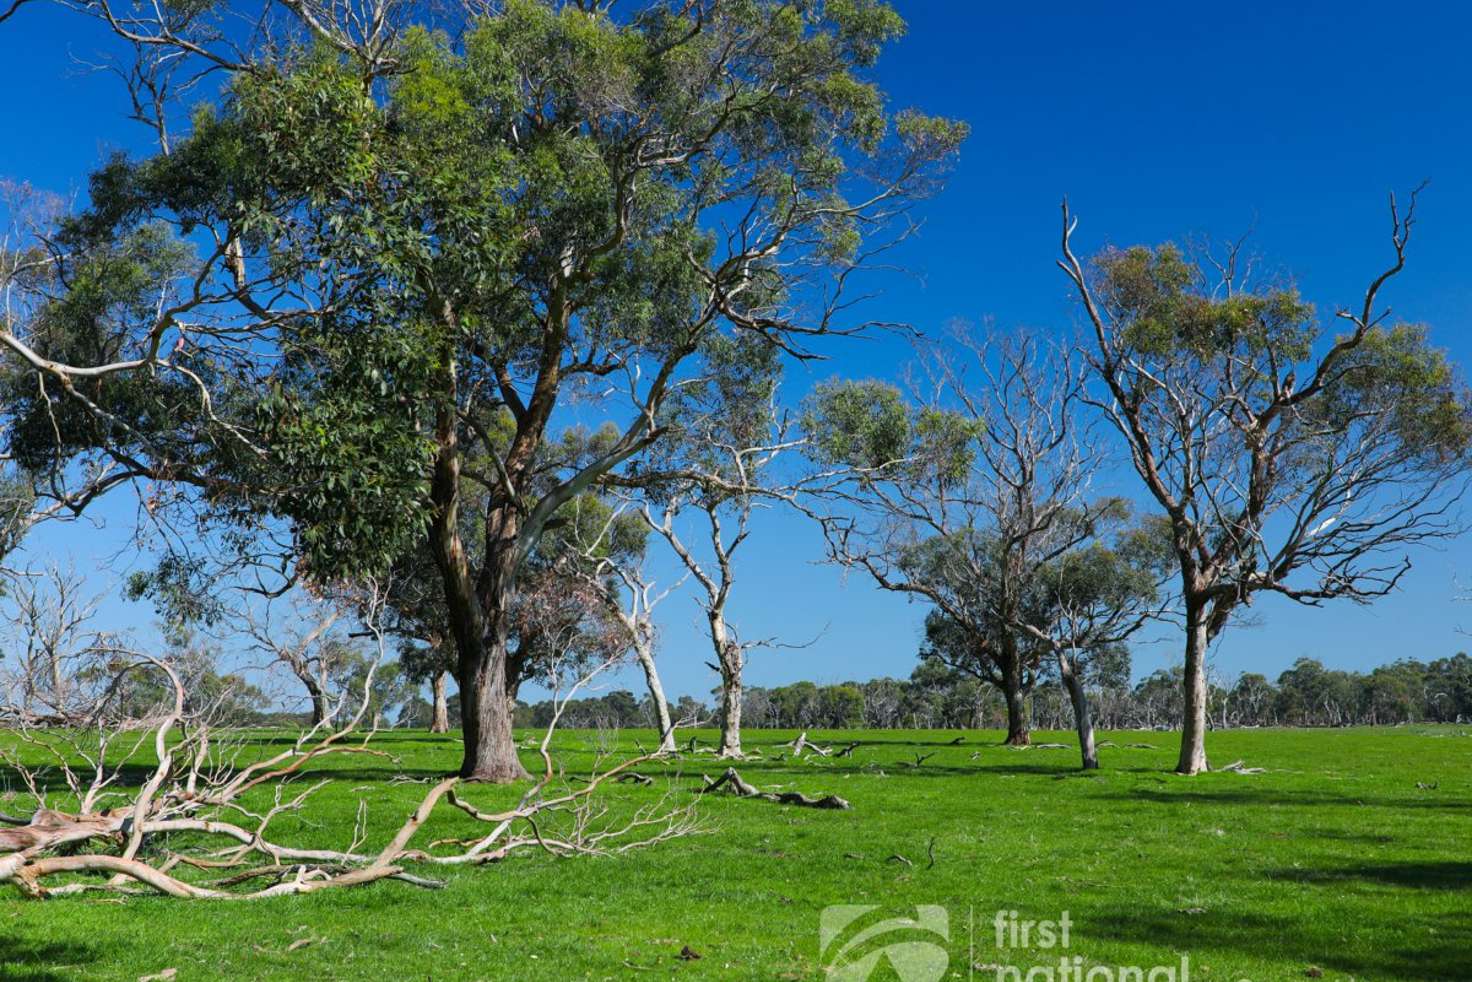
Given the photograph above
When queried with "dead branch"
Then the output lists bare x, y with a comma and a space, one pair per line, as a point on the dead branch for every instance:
737, 785
203, 785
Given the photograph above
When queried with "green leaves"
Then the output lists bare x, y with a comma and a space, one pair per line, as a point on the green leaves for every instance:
1395, 371
1165, 311
868, 425
863, 424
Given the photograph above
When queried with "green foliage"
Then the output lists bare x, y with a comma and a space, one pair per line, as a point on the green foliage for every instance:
495, 208
1169, 313
862, 424
870, 426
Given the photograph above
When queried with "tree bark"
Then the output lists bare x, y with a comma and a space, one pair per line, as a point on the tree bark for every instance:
485, 705
317, 697
644, 653
728, 658
1193, 726
1083, 720
731, 714
440, 721
485, 719
1017, 730
477, 608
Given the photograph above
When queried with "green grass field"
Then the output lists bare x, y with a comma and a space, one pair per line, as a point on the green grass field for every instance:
1334, 860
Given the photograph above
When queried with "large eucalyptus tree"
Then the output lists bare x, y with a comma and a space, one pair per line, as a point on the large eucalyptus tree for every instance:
374, 271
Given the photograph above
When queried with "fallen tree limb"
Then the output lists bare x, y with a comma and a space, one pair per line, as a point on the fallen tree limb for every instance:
803, 743
1238, 767
737, 785
195, 789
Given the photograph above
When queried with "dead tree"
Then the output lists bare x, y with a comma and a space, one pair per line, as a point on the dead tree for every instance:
974, 494
1283, 459
49, 630
303, 644
724, 464
715, 582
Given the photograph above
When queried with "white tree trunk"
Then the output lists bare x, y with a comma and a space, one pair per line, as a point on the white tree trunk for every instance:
1083, 720
440, 721
1193, 728
644, 652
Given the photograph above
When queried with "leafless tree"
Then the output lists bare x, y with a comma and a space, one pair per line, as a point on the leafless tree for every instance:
1284, 461
975, 494
49, 629
296, 633
715, 580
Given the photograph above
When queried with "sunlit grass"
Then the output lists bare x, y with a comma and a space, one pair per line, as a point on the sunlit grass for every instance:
1334, 859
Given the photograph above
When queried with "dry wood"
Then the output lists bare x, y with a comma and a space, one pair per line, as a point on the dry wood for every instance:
196, 788
737, 785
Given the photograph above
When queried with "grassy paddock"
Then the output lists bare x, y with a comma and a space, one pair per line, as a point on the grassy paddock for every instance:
1332, 860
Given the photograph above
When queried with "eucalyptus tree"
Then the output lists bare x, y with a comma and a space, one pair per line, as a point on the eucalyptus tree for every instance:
384, 260
1089, 598
976, 496
1285, 459
721, 462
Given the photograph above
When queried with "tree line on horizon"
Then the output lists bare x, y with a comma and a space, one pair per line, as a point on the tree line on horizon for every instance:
935, 697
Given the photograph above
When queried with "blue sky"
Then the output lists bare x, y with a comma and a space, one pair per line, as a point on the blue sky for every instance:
1158, 121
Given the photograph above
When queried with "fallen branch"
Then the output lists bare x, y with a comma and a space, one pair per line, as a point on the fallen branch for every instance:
1237, 767
197, 789
738, 786
803, 743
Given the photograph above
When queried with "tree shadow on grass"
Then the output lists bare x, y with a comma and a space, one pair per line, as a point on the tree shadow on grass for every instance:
1265, 796
26, 960
1420, 876
1421, 949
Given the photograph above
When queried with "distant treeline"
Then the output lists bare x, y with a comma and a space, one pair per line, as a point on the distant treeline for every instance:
933, 697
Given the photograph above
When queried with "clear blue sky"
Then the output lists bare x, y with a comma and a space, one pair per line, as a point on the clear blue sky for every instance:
1157, 120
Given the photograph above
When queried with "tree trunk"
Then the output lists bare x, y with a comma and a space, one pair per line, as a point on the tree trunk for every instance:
1010, 662
1017, 734
478, 621
477, 607
317, 697
1193, 728
485, 717
645, 654
731, 713
440, 721
728, 663
1083, 721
